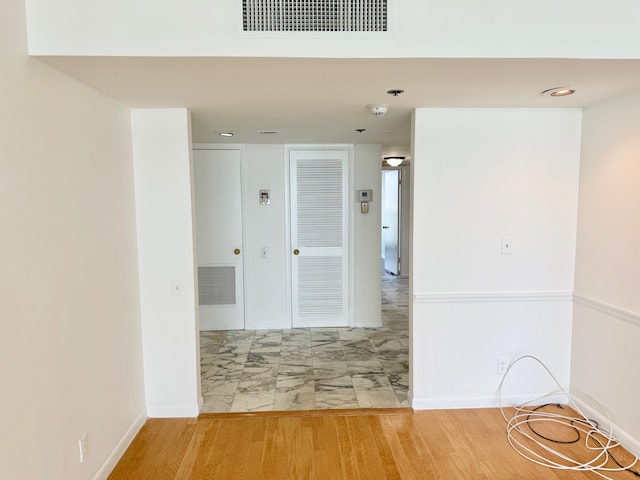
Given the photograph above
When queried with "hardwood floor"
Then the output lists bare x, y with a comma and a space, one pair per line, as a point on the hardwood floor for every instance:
360, 444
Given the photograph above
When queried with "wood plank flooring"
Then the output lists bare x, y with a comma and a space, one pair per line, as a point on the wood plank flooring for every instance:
333, 445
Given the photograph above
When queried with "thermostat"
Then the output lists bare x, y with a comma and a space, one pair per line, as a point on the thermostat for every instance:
364, 195
264, 197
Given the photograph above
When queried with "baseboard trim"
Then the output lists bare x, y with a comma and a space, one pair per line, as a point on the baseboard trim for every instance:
455, 403
492, 297
121, 447
600, 306
155, 410
629, 442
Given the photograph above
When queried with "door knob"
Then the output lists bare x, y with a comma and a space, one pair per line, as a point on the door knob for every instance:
296, 251
237, 251
386, 226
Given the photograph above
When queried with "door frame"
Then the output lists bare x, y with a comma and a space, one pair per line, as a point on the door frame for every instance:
241, 148
350, 148
403, 218
398, 219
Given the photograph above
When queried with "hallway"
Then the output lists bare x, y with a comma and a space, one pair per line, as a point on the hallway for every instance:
311, 368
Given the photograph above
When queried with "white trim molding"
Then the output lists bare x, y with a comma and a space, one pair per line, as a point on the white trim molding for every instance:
600, 306
627, 441
114, 457
492, 297
169, 410
489, 401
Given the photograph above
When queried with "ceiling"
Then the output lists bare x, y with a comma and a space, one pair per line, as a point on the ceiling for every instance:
325, 100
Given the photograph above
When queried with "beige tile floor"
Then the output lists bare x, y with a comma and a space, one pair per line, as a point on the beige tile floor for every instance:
311, 368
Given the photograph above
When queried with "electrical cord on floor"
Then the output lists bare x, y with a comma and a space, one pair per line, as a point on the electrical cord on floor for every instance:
577, 433
531, 446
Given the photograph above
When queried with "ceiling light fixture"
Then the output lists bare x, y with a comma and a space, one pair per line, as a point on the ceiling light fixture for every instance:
377, 110
395, 92
225, 134
394, 161
559, 92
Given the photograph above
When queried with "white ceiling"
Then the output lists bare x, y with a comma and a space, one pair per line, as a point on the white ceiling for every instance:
325, 100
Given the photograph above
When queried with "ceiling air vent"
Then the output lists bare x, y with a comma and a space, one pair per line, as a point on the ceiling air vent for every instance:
314, 15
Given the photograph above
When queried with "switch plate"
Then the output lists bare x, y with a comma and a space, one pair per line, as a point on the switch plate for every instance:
176, 288
264, 252
507, 246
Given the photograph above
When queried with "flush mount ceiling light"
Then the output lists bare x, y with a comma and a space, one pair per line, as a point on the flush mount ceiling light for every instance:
559, 92
225, 134
395, 92
394, 161
377, 110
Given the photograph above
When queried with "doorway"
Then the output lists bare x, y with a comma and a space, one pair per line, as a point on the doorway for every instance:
394, 216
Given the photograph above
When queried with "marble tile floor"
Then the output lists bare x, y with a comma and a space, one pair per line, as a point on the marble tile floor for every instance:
311, 368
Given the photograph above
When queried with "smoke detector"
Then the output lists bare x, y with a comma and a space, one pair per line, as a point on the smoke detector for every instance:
377, 110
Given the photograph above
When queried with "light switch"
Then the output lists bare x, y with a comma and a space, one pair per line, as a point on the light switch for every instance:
176, 288
507, 246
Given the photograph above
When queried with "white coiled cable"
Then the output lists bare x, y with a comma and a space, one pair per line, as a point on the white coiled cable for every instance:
524, 440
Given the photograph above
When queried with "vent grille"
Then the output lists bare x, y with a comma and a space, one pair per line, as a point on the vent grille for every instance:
217, 285
314, 15
319, 202
320, 287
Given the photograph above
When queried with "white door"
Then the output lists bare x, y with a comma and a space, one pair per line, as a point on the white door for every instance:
390, 215
219, 238
319, 238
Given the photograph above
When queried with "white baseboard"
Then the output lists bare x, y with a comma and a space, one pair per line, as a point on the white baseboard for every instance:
368, 325
453, 403
630, 443
121, 447
266, 326
167, 410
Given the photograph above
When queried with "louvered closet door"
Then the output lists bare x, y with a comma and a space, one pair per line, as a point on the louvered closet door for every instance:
219, 238
319, 238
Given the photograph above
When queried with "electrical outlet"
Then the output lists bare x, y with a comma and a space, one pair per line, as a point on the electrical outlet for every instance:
84, 447
502, 365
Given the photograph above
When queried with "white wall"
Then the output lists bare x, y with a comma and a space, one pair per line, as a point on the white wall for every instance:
71, 359
265, 278
422, 28
606, 330
367, 228
166, 254
484, 174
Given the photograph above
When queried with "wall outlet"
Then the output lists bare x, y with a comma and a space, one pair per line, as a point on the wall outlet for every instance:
502, 365
83, 447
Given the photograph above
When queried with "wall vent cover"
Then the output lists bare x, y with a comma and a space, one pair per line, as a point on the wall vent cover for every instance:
314, 15
217, 285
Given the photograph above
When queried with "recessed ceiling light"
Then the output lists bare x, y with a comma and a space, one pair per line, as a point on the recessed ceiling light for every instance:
226, 134
395, 92
559, 92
